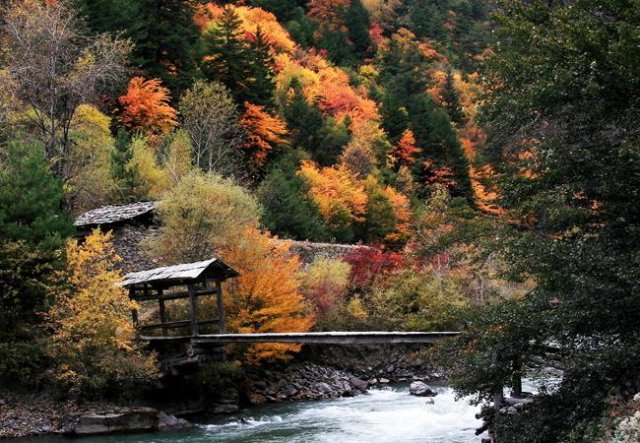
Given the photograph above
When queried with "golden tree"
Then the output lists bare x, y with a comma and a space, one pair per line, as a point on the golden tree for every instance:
266, 297
92, 341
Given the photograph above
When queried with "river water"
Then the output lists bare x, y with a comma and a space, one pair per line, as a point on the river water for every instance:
387, 415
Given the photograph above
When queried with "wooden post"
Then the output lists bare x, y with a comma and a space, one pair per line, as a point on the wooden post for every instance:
516, 379
134, 312
222, 328
194, 310
163, 314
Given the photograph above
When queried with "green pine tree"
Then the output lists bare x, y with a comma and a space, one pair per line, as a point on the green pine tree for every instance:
227, 57
288, 210
33, 228
123, 172
263, 62
451, 101
358, 22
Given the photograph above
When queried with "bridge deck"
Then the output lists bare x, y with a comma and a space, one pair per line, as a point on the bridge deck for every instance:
338, 338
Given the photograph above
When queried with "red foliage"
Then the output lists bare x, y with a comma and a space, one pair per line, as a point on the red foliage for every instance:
367, 264
406, 149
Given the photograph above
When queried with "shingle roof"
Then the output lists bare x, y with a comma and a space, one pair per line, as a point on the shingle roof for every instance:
189, 271
114, 214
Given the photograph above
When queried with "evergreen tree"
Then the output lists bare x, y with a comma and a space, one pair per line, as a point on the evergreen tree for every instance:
163, 32
123, 172
33, 228
451, 101
577, 209
438, 142
228, 59
358, 22
288, 210
263, 62
380, 219
303, 118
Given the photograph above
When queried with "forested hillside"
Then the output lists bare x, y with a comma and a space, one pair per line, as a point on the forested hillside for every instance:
487, 151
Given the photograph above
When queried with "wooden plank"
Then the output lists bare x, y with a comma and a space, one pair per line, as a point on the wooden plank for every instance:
338, 338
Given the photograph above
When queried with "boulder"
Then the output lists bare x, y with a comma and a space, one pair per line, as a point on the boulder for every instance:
421, 389
130, 420
358, 384
169, 422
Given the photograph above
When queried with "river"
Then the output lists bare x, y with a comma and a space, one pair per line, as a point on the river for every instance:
387, 415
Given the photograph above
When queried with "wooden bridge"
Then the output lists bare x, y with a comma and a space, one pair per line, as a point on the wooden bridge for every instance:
201, 334
327, 338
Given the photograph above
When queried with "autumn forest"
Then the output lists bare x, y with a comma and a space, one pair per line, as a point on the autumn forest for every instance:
483, 156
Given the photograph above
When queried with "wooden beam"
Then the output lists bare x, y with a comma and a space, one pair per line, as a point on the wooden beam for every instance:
176, 295
163, 313
339, 338
222, 327
194, 311
177, 324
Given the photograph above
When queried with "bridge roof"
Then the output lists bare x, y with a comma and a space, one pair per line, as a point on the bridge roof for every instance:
174, 275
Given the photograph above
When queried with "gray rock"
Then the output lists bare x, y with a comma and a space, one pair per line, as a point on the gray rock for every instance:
130, 420
384, 380
324, 388
358, 383
167, 422
421, 389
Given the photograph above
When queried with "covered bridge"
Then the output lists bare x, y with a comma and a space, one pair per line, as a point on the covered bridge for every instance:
197, 282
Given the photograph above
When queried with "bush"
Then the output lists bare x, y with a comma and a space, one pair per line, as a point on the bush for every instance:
21, 364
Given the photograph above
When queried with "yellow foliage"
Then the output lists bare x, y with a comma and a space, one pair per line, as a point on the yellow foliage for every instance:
154, 182
335, 189
325, 282
92, 340
204, 215
251, 18
90, 181
266, 297
402, 210
178, 162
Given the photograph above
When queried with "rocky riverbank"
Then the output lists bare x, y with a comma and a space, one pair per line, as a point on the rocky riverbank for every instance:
319, 373
24, 415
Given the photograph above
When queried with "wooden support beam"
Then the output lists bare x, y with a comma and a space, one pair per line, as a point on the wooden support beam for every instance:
163, 313
176, 295
194, 311
177, 324
134, 312
222, 327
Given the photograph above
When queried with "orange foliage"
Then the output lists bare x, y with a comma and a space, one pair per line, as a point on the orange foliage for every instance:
406, 149
328, 11
335, 190
146, 107
264, 132
341, 99
266, 297
402, 210
252, 19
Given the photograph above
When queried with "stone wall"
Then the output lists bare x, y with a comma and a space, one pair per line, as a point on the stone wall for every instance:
310, 252
129, 241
